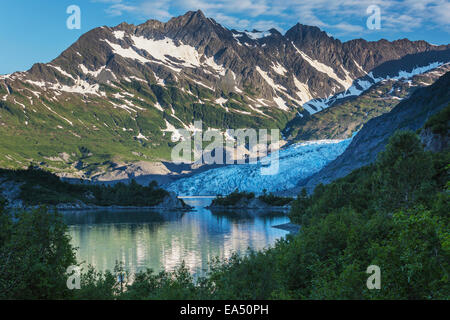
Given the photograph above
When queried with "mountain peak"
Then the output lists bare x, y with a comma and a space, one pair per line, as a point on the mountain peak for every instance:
194, 16
301, 32
274, 31
189, 19
199, 13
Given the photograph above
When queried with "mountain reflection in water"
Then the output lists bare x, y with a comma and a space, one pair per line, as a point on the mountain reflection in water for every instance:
162, 240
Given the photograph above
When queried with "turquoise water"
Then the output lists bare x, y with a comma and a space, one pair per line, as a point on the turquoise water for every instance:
162, 240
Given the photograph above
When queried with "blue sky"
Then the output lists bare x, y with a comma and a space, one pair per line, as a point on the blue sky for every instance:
35, 31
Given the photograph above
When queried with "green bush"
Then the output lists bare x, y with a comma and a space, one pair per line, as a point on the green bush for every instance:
378, 215
274, 200
35, 252
439, 122
232, 199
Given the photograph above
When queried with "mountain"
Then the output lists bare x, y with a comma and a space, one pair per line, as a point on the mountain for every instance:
349, 115
410, 114
118, 95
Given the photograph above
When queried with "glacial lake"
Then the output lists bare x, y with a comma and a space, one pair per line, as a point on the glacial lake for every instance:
162, 240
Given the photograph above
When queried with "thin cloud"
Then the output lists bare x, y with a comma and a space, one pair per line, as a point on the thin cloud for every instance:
340, 17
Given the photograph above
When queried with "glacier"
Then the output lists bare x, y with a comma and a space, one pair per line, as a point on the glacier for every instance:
296, 162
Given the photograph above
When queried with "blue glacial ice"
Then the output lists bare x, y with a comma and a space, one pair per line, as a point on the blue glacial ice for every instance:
296, 162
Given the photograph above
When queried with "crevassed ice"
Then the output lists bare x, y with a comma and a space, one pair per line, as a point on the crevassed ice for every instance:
296, 162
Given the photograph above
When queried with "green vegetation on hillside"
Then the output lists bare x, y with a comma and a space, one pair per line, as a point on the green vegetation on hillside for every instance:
439, 123
126, 126
393, 214
232, 199
236, 196
274, 200
346, 117
35, 252
39, 187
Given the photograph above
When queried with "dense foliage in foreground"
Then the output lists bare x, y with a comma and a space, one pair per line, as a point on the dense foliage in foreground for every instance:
39, 187
438, 123
393, 214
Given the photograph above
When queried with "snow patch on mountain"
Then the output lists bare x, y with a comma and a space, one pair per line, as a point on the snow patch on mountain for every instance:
81, 87
303, 91
161, 49
202, 84
221, 101
166, 52
141, 136
119, 34
175, 133
269, 80
408, 74
361, 85
278, 68
217, 68
92, 73
40, 84
54, 112
281, 103
64, 73
158, 106
126, 53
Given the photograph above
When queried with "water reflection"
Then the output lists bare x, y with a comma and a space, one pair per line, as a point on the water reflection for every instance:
162, 240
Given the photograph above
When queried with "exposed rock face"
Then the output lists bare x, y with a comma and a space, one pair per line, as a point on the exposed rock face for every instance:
124, 92
172, 202
348, 115
410, 114
304, 63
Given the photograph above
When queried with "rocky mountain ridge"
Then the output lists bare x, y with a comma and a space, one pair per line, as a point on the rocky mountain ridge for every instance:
410, 114
120, 94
